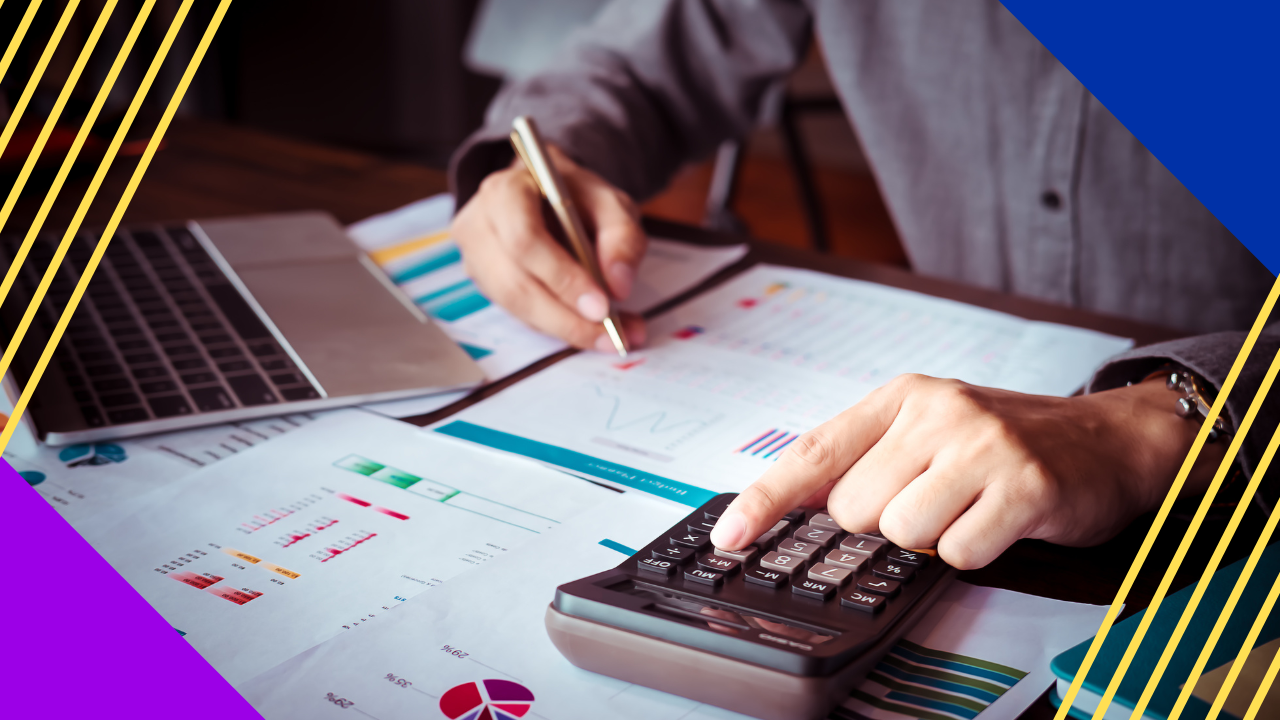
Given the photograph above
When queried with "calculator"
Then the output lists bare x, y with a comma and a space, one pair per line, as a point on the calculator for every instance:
780, 630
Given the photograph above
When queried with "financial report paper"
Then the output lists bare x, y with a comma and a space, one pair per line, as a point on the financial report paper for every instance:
266, 553
733, 377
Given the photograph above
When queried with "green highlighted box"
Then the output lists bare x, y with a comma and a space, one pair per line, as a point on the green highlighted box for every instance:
392, 476
358, 464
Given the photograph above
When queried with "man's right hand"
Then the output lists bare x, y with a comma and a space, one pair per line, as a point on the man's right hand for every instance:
515, 261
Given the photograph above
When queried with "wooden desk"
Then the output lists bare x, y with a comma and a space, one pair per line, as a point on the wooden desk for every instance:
208, 169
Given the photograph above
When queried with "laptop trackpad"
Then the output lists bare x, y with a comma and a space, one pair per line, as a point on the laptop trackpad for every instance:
354, 336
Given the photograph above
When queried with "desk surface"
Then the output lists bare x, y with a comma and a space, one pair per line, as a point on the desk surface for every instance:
209, 170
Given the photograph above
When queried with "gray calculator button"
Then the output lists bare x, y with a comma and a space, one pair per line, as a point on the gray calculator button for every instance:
694, 540
812, 534
872, 535
870, 547
830, 573
864, 601
715, 563
826, 522
706, 577
664, 567
908, 557
795, 547
778, 528
847, 560
782, 562
815, 589
674, 552
766, 577
879, 586
741, 556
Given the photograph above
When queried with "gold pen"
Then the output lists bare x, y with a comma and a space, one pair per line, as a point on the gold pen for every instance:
528, 145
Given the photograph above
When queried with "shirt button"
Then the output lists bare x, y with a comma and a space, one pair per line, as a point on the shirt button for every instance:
1051, 199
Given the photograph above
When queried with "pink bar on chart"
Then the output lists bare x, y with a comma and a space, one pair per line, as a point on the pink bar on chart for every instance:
355, 500
392, 513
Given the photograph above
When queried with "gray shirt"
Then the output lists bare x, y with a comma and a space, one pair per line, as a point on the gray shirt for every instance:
998, 167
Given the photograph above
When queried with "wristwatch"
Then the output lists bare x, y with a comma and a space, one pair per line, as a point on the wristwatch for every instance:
1196, 401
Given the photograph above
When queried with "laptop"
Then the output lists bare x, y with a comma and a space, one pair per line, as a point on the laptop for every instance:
210, 321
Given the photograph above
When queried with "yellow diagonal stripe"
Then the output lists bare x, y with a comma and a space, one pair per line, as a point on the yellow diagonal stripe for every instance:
1270, 677
85, 128
16, 41
1212, 566
382, 256
1163, 513
114, 222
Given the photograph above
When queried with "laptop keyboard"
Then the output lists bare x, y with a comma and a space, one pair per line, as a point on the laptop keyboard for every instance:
160, 333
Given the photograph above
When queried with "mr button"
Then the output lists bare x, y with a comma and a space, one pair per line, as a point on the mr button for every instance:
803, 586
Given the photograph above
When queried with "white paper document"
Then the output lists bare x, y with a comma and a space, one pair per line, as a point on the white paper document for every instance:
734, 376
979, 653
264, 554
413, 246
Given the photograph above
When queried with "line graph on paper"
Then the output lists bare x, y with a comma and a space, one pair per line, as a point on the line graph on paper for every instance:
646, 425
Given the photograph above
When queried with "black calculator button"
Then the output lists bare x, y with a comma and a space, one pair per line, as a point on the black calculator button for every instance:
812, 588
766, 577
870, 547
795, 516
826, 522
782, 562
893, 570
805, 550
715, 563
847, 560
908, 557
816, 535
743, 556
830, 574
697, 541
864, 601
663, 567
706, 577
701, 527
879, 586
674, 553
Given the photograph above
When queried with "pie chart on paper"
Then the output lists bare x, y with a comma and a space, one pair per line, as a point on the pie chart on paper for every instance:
486, 700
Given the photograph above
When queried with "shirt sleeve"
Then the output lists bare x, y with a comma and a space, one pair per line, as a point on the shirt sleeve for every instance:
646, 87
1211, 358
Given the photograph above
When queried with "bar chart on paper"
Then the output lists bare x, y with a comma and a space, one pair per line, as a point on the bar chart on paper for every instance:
734, 378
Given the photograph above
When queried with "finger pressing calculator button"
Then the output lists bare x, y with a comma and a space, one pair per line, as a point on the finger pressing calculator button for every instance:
817, 535
847, 560
815, 589
879, 586
764, 576
741, 556
908, 557
830, 573
706, 577
795, 547
870, 547
715, 563
697, 541
769, 537
826, 522
782, 562
675, 553
663, 567
893, 570
864, 601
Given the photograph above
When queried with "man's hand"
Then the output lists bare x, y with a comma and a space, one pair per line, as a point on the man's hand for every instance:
515, 261
972, 470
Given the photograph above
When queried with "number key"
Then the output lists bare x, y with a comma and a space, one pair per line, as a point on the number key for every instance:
830, 574
870, 547
782, 563
847, 560
795, 547
812, 534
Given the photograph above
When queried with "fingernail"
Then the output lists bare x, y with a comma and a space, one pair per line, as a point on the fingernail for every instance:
621, 277
593, 306
729, 531
605, 345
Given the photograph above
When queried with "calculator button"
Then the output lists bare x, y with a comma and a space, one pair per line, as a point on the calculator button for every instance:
713, 514
812, 534
664, 567
830, 573
908, 557
706, 577
826, 522
783, 563
742, 556
767, 539
859, 600
847, 560
893, 570
813, 588
716, 563
795, 547
701, 527
870, 547
794, 516
764, 576
879, 585
674, 553
872, 536
697, 541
